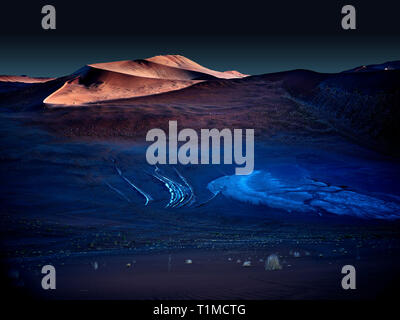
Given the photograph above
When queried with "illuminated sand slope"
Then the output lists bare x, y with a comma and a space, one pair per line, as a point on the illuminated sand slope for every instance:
23, 79
298, 193
133, 78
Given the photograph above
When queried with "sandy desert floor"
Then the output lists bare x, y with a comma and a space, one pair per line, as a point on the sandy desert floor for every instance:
58, 208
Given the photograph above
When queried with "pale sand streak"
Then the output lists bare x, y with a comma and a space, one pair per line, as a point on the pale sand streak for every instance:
118, 191
144, 194
179, 195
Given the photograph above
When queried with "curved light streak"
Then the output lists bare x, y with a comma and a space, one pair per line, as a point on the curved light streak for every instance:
207, 201
118, 191
144, 194
180, 195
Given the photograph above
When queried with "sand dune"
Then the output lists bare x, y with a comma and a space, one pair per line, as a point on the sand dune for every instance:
149, 69
182, 62
95, 85
387, 66
133, 78
23, 79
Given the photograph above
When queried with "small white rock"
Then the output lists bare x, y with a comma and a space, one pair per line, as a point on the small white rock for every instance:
246, 264
95, 265
272, 263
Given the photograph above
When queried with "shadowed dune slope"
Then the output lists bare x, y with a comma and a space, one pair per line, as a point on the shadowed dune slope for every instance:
364, 106
390, 65
99, 85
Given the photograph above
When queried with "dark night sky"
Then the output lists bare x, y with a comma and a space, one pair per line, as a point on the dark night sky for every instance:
252, 36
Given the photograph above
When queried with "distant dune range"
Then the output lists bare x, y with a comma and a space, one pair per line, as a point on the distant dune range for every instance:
124, 99
23, 79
